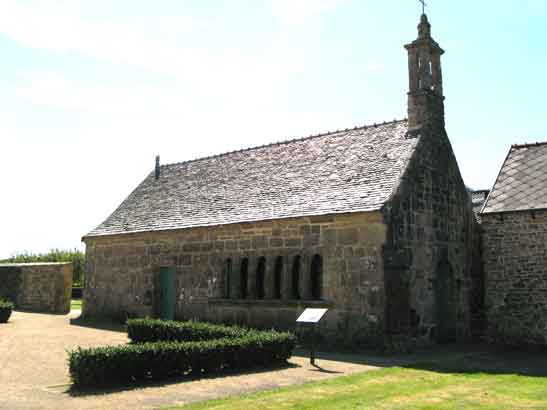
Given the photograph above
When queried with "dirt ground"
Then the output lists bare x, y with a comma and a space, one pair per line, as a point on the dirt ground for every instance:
34, 375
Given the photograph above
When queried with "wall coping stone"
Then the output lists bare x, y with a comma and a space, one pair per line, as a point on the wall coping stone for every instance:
271, 302
34, 264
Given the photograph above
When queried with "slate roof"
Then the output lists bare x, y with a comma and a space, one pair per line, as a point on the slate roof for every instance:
345, 171
522, 181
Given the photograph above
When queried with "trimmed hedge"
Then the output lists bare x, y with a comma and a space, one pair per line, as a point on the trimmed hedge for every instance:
5, 311
127, 363
155, 330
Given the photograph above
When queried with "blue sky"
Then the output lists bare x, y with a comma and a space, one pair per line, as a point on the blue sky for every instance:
93, 90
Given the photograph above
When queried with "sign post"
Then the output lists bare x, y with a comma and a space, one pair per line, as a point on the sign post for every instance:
312, 317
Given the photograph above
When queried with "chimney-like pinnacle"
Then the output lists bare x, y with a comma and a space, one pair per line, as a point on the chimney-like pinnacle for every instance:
424, 28
157, 170
425, 93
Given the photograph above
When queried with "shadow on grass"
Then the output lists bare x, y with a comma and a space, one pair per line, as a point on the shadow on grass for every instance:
367, 359
496, 361
74, 391
467, 359
102, 324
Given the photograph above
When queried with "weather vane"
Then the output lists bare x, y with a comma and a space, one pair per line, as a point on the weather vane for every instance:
423, 5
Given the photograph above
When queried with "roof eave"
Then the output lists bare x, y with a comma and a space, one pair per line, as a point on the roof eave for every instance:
512, 211
133, 232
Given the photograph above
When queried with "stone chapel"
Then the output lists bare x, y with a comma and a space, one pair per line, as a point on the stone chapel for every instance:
373, 223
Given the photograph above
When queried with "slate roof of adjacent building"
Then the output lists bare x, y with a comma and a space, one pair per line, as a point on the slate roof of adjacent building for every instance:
354, 170
522, 182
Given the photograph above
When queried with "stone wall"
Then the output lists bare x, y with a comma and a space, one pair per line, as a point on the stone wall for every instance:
121, 271
432, 255
515, 258
41, 287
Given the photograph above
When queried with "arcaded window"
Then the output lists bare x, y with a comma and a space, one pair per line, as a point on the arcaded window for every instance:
316, 276
295, 278
243, 278
227, 278
260, 278
278, 273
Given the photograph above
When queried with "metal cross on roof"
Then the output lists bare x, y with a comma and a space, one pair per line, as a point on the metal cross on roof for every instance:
423, 5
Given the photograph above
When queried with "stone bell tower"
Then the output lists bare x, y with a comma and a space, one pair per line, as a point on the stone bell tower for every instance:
425, 95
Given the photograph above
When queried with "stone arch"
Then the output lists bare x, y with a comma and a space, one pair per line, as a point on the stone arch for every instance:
316, 277
446, 305
295, 278
243, 278
227, 278
261, 278
278, 277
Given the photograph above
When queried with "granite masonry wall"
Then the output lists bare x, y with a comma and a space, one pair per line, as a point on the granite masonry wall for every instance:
122, 271
515, 258
41, 287
432, 255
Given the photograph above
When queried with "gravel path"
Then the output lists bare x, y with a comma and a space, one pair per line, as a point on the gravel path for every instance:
33, 370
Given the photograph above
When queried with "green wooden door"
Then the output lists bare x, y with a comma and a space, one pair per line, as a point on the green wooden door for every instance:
167, 275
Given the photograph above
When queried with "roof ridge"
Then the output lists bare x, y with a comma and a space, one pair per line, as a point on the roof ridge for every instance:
530, 144
287, 141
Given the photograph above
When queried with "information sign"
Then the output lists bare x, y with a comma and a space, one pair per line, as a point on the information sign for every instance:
311, 315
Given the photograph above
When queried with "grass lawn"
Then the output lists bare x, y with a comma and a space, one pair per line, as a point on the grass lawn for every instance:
399, 388
76, 304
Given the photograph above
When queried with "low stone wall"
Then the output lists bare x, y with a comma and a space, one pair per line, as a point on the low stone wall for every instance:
41, 287
515, 262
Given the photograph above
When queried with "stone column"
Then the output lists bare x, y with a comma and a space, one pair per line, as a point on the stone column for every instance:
305, 283
437, 74
286, 278
269, 278
235, 292
412, 69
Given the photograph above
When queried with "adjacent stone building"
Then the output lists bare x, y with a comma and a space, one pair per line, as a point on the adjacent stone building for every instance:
478, 198
40, 287
514, 221
374, 223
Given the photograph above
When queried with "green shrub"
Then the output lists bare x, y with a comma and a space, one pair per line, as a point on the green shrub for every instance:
5, 311
153, 330
157, 360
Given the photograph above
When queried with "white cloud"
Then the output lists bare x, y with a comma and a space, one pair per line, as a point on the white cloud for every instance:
55, 90
228, 73
299, 12
374, 67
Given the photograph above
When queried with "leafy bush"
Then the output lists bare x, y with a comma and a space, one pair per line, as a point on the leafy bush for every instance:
5, 311
126, 363
153, 330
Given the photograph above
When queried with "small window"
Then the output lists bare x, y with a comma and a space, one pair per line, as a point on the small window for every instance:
227, 278
278, 272
260, 273
243, 278
316, 276
296, 278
